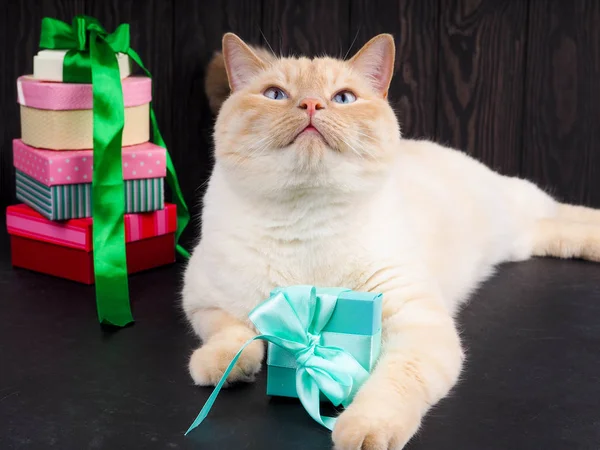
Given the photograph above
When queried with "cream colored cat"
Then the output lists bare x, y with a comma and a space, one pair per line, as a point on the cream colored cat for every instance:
313, 184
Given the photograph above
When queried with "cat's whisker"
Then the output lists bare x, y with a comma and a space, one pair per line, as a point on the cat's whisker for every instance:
368, 136
260, 150
338, 129
269, 45
260, 141
359, 154
353, 41
254, 150
365, 151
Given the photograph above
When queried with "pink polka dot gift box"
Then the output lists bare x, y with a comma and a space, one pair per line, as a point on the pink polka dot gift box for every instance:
58, 116
58, 184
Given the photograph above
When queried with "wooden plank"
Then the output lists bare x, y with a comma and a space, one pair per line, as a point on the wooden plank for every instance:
308, 28
199, 27
414, 24
562, 108
481, 78
6, 172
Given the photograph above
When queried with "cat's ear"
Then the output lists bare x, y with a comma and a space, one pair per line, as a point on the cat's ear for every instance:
375, 61
241, 63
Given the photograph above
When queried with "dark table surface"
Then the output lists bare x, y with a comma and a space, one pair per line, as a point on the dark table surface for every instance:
532, 380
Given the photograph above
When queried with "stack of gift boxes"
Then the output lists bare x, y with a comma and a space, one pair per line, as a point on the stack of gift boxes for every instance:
51, 231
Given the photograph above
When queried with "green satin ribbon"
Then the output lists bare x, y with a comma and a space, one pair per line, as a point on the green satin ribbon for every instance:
293, 318
91, 58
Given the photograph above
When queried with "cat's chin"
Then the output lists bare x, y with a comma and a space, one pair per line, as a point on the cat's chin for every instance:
311, 142
311, 146
309, 134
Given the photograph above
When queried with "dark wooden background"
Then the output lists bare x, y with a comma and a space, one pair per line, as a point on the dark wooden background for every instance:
515, 83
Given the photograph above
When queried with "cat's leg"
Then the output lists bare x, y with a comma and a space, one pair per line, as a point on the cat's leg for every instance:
575, 213
420, 362
222, 333
222, 336
567, 239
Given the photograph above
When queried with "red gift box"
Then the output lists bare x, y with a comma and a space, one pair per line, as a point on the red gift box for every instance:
64, 249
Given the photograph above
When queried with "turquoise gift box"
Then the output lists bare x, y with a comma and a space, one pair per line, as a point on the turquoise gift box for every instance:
354, 326
323, 344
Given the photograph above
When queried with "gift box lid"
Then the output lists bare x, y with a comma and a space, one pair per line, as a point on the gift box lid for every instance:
48, 65
355, 313
23, 221
52, 167
137, 90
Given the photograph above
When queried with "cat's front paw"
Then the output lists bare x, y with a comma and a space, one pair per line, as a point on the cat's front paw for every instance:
208, 363
375, 425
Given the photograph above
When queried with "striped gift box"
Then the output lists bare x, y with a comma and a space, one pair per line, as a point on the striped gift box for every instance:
73, 201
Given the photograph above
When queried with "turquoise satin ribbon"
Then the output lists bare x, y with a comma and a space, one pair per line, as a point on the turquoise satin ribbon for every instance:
293, 318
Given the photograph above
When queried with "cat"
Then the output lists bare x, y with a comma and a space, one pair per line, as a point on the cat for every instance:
314, 184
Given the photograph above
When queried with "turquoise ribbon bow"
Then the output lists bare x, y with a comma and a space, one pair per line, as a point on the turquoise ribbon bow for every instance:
293, 319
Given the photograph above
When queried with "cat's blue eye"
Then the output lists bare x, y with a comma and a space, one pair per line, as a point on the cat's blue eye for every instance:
344, 97
274, 93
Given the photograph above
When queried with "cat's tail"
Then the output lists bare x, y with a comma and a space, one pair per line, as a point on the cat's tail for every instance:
573, 232
216, 84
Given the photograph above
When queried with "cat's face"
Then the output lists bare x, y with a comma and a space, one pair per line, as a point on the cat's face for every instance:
299, 122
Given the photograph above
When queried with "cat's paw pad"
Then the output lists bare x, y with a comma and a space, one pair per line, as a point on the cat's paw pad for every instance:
374, 426
208, 363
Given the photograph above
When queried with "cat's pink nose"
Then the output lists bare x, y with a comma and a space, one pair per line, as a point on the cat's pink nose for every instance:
311, 105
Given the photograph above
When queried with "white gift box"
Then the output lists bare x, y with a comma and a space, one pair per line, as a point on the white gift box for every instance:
48, 65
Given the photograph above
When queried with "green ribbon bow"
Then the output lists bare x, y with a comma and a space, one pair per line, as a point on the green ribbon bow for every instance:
91, 58
293, 319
